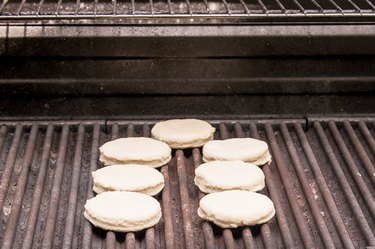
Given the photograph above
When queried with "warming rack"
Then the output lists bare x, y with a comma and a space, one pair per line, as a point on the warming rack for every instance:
189, 11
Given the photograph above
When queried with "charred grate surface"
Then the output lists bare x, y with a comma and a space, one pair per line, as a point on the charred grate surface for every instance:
321, 181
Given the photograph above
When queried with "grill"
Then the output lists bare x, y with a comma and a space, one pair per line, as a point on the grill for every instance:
188, 10
321, 181
298, 74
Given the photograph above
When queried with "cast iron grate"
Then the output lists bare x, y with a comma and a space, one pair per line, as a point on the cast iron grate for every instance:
321, 181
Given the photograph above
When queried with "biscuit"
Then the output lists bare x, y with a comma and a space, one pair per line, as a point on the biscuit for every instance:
218, 176
183, 133
123, 211
244, 149
135, 150
233, 208
128, 177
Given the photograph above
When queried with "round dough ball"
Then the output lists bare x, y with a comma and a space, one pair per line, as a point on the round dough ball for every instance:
183, 133
233, 208
244, 149
123, 211
128, 177
135, 150
218, 176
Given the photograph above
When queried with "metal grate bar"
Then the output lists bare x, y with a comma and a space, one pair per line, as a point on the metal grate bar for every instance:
263, 6
227, 233
130, 241
206, 5
152, 7
228, 239
37, 196
207, 229
9, 164
3, 5
3, 134
223, 131
72, 203
58, 7
185, 203
21, 185
281, 6
314, 165
167, 211
264, 229
133, 6
270, 183
302, 226
370, 3
315, 209
110, 236
361, 152
170, 7
150, 238
226, 6
336, 6
188, 6
39, 7
130, 237
55, 192
87, 229
114, 132
317, 5
355, 6
20, 7
150, 233
248, 239
352, 167
246, 232
266, 236
208, 233
146, 130
130, 130
114, 3
366, 133
299, 5
78, 3
367, 231
247, 11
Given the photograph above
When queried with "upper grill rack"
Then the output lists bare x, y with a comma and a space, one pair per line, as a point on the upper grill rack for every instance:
186, 9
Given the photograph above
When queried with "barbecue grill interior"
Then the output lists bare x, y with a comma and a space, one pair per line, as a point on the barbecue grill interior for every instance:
298, 74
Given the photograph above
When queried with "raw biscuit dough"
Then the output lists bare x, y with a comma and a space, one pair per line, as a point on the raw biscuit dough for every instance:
233, 208
218, 176
128, 177
183, 133
123, 211
135, 150
244, 149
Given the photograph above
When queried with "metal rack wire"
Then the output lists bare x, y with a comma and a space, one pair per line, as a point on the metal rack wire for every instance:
247, 9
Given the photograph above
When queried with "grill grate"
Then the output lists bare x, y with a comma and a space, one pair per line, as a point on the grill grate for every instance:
321, 181
181, 9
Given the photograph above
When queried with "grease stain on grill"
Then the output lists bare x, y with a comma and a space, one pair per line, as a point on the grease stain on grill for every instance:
184, 196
